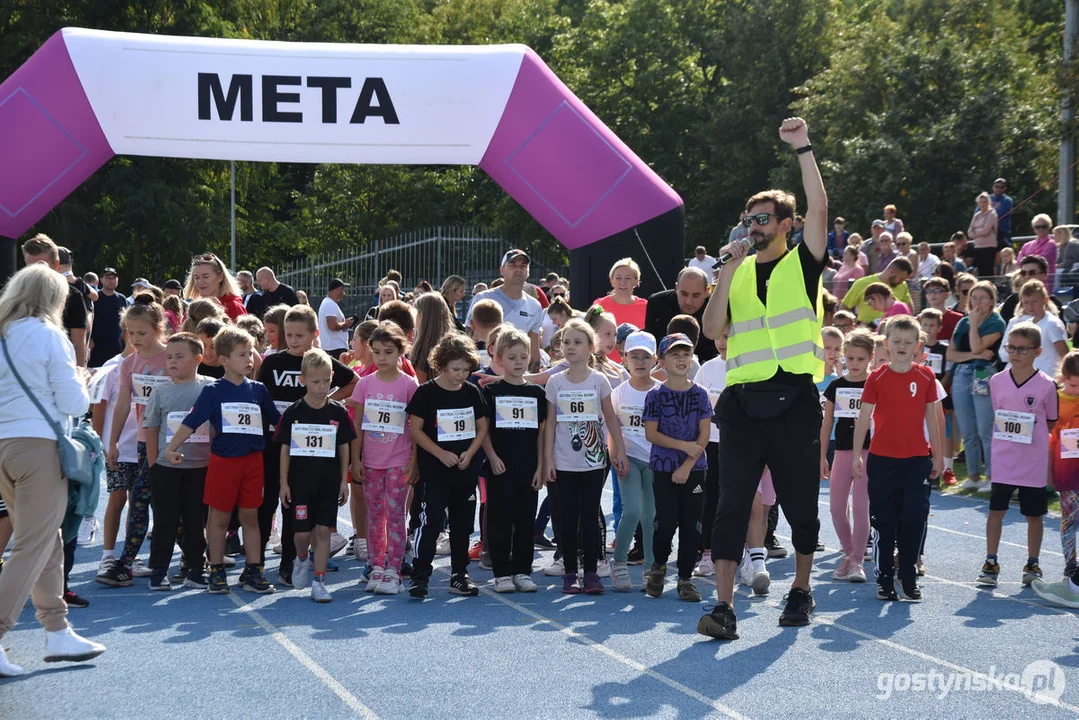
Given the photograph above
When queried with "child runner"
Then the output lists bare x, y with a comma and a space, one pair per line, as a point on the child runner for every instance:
274, 322
677, 416
448, 423
832, 338
121, 480
177, 489
385, 459
139, 374
849, 496
638, 498
899, 468
314, 434
517, 410
358, 359
281, 373
1024, 410
238, 409
931, 321
575, 452
1064, 449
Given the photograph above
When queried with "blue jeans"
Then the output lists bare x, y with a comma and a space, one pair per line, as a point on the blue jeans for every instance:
640, 507
616, 505
975, 414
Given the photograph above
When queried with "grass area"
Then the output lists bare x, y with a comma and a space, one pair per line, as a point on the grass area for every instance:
961, 475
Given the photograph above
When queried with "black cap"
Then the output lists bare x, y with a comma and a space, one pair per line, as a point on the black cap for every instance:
109, 271
173, 285
337, 283
65, 255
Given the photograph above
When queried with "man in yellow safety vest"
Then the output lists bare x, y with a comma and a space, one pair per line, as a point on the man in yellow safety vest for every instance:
770, 413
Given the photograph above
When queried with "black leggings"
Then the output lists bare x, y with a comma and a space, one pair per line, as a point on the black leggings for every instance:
176, 498
556, 522
454, 489
578, 499
985, 261
678, 506
511, 508
271, 496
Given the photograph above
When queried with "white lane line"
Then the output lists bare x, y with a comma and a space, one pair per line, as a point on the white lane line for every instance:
629, 662
1045, 551
306, 660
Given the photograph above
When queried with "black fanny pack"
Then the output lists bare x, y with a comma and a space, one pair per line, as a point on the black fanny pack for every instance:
766, 400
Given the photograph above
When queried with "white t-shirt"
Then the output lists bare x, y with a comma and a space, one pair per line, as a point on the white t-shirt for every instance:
1053, 330
713, 377
331, 339
629, 406
705, 264
525, 314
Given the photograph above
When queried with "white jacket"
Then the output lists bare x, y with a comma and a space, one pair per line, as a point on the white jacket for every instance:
45, 360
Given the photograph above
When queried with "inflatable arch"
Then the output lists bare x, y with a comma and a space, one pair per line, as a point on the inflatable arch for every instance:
87, 95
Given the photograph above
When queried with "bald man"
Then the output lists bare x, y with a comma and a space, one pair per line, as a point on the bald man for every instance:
689, 296
273, 293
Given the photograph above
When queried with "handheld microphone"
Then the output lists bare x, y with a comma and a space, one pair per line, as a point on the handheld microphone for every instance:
726, 257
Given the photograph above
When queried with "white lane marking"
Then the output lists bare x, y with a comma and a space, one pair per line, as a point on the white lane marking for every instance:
1045, 551
306, 660
629, 662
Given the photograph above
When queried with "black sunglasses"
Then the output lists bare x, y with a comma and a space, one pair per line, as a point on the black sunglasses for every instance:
1041, 227
759, 218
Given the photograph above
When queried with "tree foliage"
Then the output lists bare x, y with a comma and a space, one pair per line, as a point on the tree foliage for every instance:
917, 102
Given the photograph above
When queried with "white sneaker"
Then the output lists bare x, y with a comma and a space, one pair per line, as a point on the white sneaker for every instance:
603, 568
857, 573
8, 668
705, 568
359, 549
87, 531
301, 572
67, 646
275, 539
319, 593
761, 580
337, 543
504, 584
390, 585
374, 579
620, 577
557, 568
105, 564
969, 484
442, 547
524, 583
139, 569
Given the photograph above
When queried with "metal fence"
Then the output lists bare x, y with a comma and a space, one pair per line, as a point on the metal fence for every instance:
431, 254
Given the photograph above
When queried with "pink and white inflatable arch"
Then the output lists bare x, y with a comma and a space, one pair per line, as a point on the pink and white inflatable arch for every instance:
88, 95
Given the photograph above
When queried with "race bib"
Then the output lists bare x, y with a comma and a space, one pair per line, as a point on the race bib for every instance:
456, 424
1016, 427
241, 418
848, 402
143, 385
577, 406
630, 416
935, 361
384, 416
176, 419
516, 413
310, 440
1069, 443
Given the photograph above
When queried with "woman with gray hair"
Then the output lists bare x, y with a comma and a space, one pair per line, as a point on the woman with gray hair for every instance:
983, 233
31, 484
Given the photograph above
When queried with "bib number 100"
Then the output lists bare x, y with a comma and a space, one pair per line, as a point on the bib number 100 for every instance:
1013, 427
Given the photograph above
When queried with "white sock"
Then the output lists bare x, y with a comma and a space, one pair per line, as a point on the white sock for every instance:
948, 463
757, 555
108, 554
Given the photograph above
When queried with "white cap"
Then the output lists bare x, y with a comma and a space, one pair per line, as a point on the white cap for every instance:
640, 340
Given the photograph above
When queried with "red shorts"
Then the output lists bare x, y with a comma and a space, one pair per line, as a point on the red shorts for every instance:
233, 482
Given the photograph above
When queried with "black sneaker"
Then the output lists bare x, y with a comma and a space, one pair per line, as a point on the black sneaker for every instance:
180, 575
461, 584
820, 546
243, 576
284, 575
256, 581
911, 591
800, 605
775, 550
418, 588
720, 623
654, 579
196, 579
543, 542
218, 583
406, 569
233, 546
886, 588
159, 580
74, 600
636, 555
116, 576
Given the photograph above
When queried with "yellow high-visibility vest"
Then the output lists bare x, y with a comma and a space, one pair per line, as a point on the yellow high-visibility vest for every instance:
784, 334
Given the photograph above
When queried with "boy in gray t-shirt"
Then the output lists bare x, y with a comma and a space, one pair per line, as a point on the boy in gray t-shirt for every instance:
177, 489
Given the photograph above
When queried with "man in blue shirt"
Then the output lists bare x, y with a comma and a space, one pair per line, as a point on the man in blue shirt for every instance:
1003, 205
